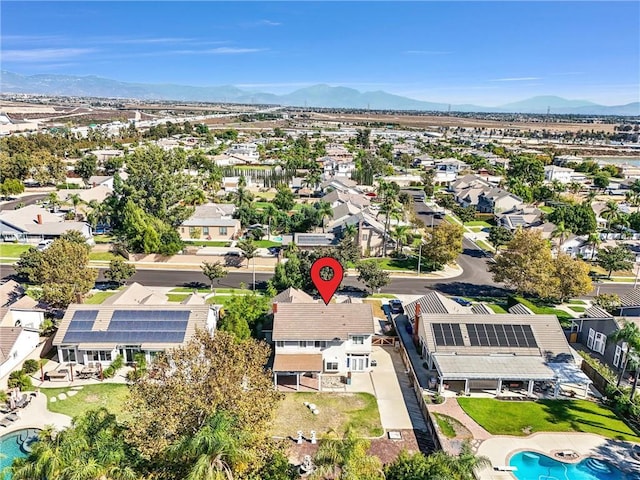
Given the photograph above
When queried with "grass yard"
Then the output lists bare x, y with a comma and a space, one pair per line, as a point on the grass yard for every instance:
576, 302
382, 295
207, 243
338, 411
176, 297
497, 308
410, 263
377, 307
450, 427
13, 250
103, 238
109, 395
98, 297
478, 223
103, 256
577, 309
563, 316
219, 300
546, 209
266, 244
189, 290
484, 245
513, 418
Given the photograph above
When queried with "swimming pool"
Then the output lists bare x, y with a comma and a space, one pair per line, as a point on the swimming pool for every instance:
16, 445
535, 466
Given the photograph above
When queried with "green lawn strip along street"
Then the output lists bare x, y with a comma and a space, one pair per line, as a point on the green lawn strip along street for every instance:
381, 295
109, 395
189, 290
206, 243
399, 264
98, 297
12, 250
103, 256
513, 418
484, 245
337, 411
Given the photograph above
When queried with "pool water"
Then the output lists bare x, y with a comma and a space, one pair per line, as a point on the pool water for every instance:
534, 466
15, 445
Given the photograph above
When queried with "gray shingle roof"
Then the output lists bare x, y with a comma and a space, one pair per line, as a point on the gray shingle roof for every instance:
630, 299
434, 302
294, 321
293, 295
520, 309
597, 312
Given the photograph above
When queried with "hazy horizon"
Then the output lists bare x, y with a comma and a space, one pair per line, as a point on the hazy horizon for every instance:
483, 53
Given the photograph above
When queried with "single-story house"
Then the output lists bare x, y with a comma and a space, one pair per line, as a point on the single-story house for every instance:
315, 339
135, 320
32, 224
211, 222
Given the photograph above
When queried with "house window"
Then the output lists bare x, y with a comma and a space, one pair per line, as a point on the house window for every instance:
192, 231
98, 356
222, 230
320, 344
205, 230
365, 237
302, 344
331, 366
358, 340
68, 355
616, 357
596, 341
181, 229
279, 344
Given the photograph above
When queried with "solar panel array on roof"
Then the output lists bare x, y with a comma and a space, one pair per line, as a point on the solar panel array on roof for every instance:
500, 335
447, 334
151, 326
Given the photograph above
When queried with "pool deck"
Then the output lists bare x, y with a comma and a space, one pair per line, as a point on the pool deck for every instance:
500, 448
36, 415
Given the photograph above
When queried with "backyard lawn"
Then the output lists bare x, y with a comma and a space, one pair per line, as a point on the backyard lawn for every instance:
109, 395
12, 250
521, 418
338, 411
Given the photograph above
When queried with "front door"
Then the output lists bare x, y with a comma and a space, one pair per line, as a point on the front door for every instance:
358, 364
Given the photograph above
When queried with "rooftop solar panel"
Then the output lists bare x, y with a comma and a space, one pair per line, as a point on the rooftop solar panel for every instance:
500, 335
88, 315
79, 326
447, 334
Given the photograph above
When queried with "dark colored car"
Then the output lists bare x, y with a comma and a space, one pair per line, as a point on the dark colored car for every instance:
396, 306
462, 301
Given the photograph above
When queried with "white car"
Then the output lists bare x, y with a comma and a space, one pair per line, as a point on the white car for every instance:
43, 245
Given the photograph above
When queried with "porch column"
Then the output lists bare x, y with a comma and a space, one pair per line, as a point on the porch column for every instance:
530, 389
319, 382
466, 386
586, 390
297, 381
441, 387
499, 388
275, 380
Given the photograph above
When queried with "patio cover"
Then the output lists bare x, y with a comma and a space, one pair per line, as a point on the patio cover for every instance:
569, 373
492, 367
297, 362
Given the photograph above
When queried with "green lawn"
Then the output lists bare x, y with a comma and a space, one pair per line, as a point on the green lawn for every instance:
577, 309
484, 245
546, 209
189, 290
206, 243
176, 297
338, 411
219, 300
109, 395
381, 295
497, 308
103, 256
410, 263
563, 316
511, 418
13, 250
98, 297
576, 302
478, 223
103, 238
266, 244
445, 427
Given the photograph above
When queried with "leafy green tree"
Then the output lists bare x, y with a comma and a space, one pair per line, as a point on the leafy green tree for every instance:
213, 271
572, 277
427, 182
346, 458
615, 258
284, 199
11, 186
248, 248
370, 273
526, 264
186, 386
579, 218
86, 167
443, 244
601, 180
561, 233
528, 170
607, 301
28, 265
324, 211
119, 271
499, 236
243, 313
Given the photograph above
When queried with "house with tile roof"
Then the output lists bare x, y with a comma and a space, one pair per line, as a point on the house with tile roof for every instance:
135, 320
211, 221
312, 340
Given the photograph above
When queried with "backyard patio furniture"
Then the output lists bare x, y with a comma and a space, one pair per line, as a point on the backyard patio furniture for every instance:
58, 374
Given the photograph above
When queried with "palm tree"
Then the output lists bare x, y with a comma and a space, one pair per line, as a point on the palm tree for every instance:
323, 210
215, 451
269, 213
593, 241
611, 212
402, 235
313, 179
349, 231
53, 200
75, 201
574, 187
629, 334
561, 233
348, 455
387, 191
242, 196
467, 463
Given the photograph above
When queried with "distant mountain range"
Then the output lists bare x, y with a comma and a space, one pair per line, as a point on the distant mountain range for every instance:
314, 96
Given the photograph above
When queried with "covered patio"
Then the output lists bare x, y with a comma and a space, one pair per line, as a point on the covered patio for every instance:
297, 372
492, 372
570, 376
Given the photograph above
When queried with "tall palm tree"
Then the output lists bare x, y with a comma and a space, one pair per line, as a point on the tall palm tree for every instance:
313, 180
216, 451
75, 200
574, 187
593, 241
467, 463
269, 213
630, 335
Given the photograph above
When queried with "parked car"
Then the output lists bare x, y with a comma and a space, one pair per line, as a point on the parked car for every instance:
43, 245
396, 306
462, 301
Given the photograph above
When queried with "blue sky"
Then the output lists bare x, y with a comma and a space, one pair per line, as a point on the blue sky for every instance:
486, 53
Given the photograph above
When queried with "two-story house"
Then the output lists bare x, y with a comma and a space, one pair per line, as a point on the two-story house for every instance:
212, 221
312, 339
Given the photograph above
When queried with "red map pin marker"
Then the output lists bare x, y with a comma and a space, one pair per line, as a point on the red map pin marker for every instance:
326, 287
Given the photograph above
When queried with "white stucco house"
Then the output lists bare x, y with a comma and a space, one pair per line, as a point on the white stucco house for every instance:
16, 343
312, 339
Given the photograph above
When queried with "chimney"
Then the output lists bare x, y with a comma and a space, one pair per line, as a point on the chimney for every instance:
39, 219
416, 324
274, 307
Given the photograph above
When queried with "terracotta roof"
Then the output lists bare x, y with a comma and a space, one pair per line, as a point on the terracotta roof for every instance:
8, 337
303, 362
322, 322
